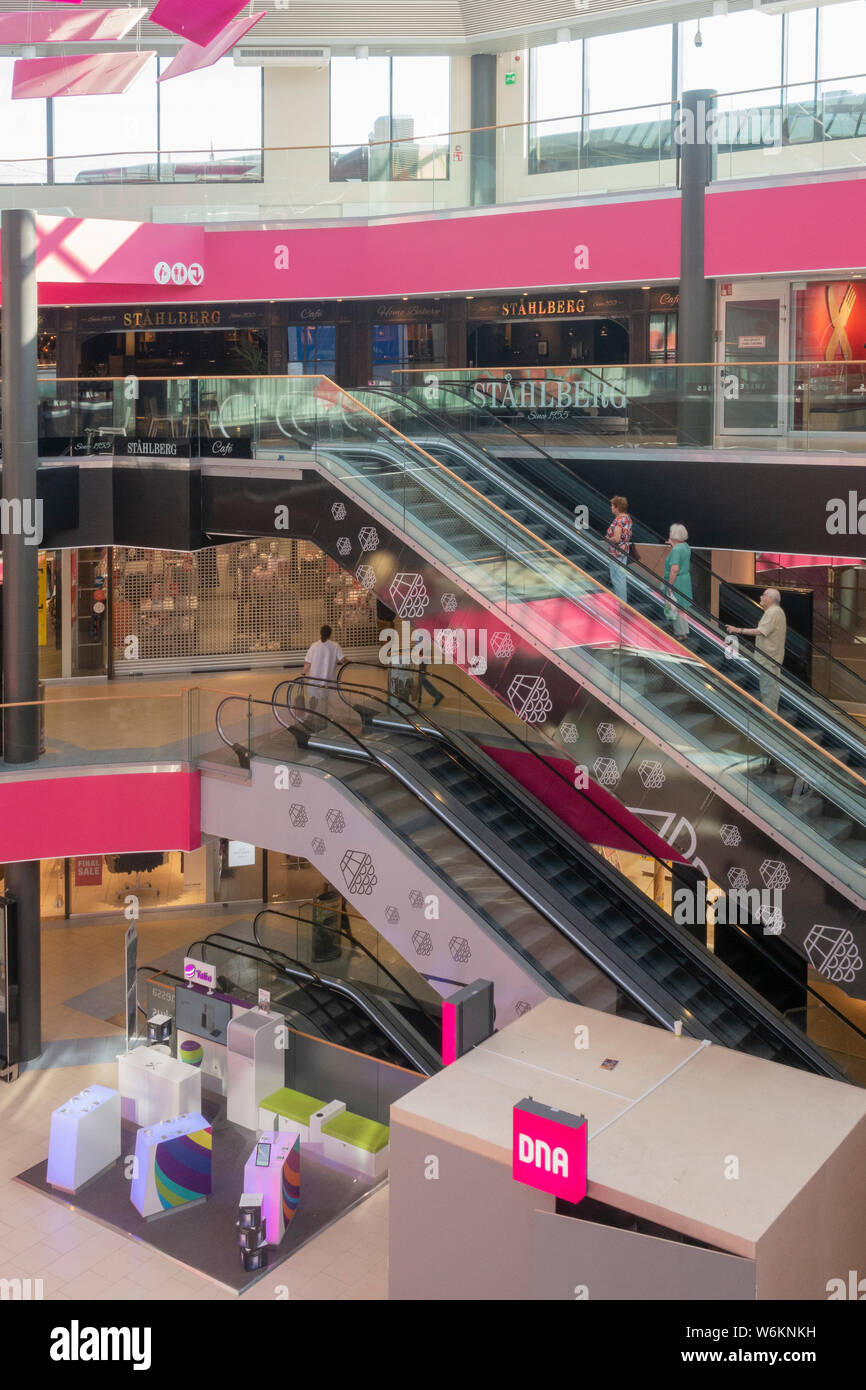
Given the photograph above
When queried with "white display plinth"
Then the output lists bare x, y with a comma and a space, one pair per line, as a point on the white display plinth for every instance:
85, 1138
256, 1064
278, 1181
154, 1086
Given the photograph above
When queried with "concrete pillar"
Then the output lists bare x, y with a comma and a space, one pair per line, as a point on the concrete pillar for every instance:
20, 592
482, 143
694, 133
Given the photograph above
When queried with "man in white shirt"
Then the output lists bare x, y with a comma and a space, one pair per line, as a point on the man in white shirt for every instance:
320, 667
770, 636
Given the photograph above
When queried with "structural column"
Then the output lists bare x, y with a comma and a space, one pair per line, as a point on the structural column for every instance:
22, 533
482, 143
695, 138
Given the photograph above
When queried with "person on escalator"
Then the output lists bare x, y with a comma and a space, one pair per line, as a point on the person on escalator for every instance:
678, 577
770, 637
618, 537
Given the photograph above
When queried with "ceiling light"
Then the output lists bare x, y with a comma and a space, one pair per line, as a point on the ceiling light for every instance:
362, 51
699, 38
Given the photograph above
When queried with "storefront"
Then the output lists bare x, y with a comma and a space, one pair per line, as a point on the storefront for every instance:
406, 334
561, 328
798, 350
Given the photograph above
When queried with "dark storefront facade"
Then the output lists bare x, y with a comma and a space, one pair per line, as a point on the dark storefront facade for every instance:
360, 341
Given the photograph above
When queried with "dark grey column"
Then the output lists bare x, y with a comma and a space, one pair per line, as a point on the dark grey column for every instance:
20, 565
695, 139
482, 143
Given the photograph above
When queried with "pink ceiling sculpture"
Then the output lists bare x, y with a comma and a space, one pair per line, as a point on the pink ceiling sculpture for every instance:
197, 20
97, 74
87, 26
193, 56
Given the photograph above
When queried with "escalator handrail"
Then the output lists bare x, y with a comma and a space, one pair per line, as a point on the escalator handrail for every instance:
739, 694
444, 733
349, 936
303, 973
745, 994
815, 651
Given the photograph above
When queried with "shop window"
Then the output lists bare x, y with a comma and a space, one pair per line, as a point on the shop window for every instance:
312, 350
401, 345
390, 118
23, 134
663, 337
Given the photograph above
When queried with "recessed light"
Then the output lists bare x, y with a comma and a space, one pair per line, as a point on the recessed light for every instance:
646, 287
470, 296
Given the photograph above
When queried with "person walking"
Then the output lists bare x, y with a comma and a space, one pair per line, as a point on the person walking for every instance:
618, 537
320, 668
678, 577
770, 637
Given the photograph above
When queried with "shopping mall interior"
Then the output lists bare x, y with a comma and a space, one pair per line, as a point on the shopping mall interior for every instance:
433, 644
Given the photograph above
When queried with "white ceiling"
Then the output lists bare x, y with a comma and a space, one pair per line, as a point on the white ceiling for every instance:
455, 26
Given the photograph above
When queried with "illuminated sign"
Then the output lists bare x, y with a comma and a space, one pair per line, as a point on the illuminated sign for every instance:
195, 972
549, 1150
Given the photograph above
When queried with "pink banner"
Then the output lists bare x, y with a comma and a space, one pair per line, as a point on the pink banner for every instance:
192, 56
96, 74
89, 26
93, 253
786, 230
59, 817
198, 20
502, 251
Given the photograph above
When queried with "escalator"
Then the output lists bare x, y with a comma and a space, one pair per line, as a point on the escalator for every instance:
801, 796
391, 1025
543, 493
587, 931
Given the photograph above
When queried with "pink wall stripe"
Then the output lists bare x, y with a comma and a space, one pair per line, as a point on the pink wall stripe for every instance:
53, 817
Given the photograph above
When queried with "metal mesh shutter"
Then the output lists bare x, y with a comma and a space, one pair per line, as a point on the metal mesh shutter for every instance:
250, 603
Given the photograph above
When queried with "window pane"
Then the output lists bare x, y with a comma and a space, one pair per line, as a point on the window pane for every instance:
96, 132
359, 99
843, 40
557, 86
211, 123
634, 66
22, 133
802, 38
739, 52
421, 109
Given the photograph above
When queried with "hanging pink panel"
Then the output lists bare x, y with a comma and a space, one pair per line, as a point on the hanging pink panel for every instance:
96, 74
88, 26
198, 20
193, 56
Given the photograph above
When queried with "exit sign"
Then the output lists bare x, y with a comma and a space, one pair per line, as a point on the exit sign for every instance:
510, 79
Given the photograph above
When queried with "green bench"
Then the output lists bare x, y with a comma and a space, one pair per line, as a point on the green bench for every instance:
357, 1143
294, 1107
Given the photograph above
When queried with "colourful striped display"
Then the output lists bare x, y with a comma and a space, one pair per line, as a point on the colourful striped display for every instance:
291, 1182
191, 1052
182, 1168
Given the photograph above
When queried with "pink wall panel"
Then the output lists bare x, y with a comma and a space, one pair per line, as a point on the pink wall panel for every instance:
52, 817
786, 230
95, 251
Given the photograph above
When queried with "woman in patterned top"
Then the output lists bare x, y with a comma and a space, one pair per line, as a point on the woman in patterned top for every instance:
618, 537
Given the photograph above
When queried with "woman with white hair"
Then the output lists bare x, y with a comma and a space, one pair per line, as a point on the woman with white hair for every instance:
678, 576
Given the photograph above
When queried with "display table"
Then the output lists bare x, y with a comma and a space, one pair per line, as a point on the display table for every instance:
154, 1086
273, 1169
172, 1165
85, 1138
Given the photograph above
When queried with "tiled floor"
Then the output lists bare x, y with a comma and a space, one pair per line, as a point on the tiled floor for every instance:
76, 1258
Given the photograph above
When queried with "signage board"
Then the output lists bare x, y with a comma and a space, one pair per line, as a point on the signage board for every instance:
88, 870
240, 854
549, 1150
196, 972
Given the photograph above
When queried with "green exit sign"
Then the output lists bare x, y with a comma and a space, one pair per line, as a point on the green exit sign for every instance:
510, 79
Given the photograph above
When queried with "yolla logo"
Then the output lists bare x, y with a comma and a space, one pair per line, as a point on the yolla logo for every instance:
846, 516
536, 1152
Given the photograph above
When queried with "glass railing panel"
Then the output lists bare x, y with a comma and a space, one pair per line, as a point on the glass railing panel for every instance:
74, 731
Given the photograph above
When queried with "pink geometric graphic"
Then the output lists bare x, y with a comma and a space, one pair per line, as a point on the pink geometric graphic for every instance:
193, 56
198, 20
97, 74
90, 26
